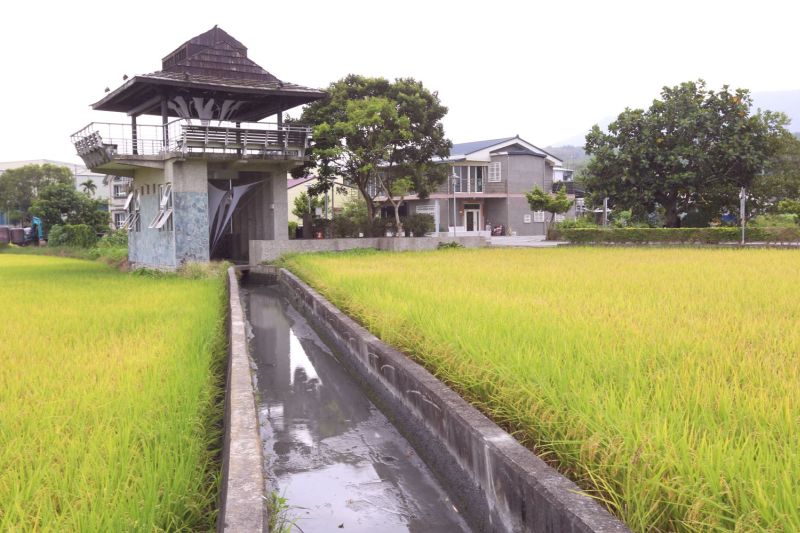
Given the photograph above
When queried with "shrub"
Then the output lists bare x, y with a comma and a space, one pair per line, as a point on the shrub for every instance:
675, 235
449, 245
114, 239
773, 221
78, 235
293, 229
419, 224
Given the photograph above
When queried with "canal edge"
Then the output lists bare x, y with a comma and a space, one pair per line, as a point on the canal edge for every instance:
242, 496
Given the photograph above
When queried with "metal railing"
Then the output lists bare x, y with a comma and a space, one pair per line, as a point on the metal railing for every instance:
189, 136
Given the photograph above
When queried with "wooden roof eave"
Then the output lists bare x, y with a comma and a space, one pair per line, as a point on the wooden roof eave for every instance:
112, 100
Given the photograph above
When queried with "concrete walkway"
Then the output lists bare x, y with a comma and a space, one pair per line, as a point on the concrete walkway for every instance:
532, 241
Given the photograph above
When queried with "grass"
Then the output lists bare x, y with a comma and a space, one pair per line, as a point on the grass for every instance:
110, 397
666, 382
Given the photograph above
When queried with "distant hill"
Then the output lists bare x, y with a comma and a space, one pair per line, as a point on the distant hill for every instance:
573, 156
785, 101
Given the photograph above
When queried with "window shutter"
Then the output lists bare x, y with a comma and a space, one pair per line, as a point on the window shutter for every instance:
495, 172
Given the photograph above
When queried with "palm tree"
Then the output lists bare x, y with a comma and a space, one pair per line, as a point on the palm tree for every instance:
89, 187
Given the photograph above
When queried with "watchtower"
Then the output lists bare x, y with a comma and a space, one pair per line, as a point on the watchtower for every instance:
210, 175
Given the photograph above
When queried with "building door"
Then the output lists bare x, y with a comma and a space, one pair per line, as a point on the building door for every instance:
472, 217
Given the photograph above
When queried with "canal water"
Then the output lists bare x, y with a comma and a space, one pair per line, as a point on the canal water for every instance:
340, 464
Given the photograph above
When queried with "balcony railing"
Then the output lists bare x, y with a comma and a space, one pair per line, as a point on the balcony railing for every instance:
101, 142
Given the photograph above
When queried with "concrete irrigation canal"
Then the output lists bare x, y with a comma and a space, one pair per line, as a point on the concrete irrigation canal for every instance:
357, 437
328, 450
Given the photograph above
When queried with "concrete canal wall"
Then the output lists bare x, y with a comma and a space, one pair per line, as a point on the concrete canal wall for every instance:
498, 484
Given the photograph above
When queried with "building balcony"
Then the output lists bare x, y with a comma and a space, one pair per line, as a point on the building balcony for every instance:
102, 144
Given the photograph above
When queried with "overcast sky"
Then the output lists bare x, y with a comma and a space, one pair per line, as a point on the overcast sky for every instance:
545, 71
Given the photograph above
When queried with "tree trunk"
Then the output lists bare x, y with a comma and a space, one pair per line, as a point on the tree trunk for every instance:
398, 226
672, 220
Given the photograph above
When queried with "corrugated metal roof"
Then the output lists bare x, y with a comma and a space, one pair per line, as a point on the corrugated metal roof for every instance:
468, 148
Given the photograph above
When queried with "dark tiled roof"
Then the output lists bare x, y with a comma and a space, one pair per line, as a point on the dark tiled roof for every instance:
211, 65
468, 148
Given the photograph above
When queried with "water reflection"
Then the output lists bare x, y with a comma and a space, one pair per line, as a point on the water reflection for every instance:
335, 457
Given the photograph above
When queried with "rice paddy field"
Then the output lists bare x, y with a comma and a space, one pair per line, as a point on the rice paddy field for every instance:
110, 390
665, 382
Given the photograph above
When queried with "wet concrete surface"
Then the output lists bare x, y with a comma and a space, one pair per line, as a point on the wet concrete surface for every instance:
341, 465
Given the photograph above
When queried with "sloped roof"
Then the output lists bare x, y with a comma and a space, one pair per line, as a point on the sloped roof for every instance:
210, 65
468, 148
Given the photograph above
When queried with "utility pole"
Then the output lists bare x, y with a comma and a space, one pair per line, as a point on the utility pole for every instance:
605, 211
742, 212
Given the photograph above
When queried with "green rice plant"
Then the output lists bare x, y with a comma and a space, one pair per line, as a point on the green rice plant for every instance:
665, 382
110, 397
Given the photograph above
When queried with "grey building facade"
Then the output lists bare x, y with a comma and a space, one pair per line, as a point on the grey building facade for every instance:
487, 188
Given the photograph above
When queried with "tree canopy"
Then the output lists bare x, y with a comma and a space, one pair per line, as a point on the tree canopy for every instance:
19, 187
691, 150
556, 204
380, 136
59, 204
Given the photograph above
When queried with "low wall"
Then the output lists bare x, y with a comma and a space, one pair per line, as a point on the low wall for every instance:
272, 250
498, 484
242, 498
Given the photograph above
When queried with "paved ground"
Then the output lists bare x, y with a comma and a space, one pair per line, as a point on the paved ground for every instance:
535, 241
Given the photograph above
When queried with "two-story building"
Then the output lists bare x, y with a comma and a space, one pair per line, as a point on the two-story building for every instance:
487, 186
209, 176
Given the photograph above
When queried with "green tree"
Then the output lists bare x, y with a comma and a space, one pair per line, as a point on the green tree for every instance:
780, 179
59, 204
691, 150
553, 204
378, 135
790, 207
302, 207
19, 187
89, 188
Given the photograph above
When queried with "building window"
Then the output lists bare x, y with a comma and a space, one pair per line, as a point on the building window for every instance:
133, 207
163, 219
495, 172
119, 219
538, 216
476, 179
120, 191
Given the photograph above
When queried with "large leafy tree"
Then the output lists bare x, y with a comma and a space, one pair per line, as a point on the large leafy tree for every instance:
380, 136
62, 204
19, 187
691, 150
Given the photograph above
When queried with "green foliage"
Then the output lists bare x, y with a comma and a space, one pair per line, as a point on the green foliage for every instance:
556, 204
366, 124
675, 235
780, 179
62, 204
300, 208
579, 222
89, 188
78, 235
114, 239
292, 229
773, 221
692, 149
19, 187
449, 245
417, 224
790, 207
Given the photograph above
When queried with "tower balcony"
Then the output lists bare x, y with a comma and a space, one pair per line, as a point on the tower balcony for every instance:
109, 146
